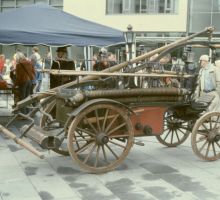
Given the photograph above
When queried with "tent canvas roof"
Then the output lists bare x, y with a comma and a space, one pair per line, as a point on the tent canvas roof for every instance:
43, 24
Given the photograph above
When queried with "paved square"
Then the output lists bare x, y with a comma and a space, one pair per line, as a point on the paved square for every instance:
149, 172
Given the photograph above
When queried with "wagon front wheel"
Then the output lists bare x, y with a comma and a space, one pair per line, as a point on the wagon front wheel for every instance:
205, 139
175, 132
100, 137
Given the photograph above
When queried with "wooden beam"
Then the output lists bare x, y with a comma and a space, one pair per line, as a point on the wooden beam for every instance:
156, 73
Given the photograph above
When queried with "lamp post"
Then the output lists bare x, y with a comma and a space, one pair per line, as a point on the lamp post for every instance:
130, 40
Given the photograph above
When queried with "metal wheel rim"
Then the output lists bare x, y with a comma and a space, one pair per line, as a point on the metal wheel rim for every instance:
97, 158
205, 140
172, 137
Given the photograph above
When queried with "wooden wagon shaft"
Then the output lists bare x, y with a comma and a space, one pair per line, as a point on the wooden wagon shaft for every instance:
21, 142
112, 69
156, 73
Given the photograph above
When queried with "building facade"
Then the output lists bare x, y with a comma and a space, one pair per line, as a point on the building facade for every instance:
155, 22
11, 4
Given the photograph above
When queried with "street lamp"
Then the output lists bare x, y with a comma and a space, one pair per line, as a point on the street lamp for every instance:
130, 39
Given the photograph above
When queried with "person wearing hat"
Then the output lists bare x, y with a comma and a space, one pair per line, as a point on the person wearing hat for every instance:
206, 83
61, 63
61, 53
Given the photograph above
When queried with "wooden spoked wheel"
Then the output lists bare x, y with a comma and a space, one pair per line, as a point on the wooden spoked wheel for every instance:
100, 137
205, 137
175, 132
51, 109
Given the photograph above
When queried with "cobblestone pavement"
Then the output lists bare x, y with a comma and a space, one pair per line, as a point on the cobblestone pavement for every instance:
149, 172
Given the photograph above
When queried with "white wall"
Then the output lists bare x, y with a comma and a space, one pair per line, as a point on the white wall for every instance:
95, 10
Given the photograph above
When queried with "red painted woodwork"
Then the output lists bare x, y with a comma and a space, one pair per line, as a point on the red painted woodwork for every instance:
148, 116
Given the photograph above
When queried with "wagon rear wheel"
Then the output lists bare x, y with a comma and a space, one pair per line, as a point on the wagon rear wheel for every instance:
100, 137
51, 109
205, 139
175, 131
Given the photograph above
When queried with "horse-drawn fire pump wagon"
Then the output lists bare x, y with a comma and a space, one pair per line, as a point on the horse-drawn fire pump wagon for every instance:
96, 122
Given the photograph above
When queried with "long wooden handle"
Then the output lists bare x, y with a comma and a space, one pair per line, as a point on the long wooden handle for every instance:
21, 142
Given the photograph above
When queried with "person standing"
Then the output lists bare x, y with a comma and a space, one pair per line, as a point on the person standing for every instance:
61, 53
25, 74
35, 51
206, 83
36, 83
37, 63
61, 62
47, 60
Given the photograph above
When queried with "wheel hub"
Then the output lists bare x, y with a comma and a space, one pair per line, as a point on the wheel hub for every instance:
174, 125
213, 136
102, 138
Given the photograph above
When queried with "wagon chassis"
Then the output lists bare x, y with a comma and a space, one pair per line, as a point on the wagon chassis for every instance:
97, 126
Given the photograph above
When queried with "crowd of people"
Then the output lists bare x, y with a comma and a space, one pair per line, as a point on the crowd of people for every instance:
103, 60
26, 72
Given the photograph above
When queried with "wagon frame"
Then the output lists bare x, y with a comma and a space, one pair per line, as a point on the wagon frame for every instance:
97, 127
